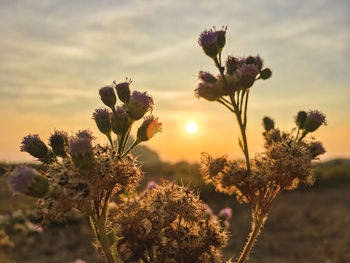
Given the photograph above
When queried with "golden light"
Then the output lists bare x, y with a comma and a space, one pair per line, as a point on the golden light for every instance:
191, 127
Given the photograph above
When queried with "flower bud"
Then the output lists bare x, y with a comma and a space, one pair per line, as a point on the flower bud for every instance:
314, 120
81, 150
148, 128
33, 145
140, 103
107, 96
207, 77
250, 60
26, 180
265, 73
221, 37
268, 123
59, 142
123, 91
120, 121
209, 42
300, 119
316, 149
102, 118
225, 214
247, 75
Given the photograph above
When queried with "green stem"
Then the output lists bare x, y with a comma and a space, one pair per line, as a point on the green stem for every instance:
109, 136
258, 222
103, 238
131, 147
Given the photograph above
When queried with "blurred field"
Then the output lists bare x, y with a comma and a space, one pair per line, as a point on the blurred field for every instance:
308, 225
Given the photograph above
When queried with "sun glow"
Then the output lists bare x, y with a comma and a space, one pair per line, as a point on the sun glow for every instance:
191, 127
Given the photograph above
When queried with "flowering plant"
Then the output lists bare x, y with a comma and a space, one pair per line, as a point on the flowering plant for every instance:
288, 156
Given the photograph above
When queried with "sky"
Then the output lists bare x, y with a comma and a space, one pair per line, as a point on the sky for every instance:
56, 54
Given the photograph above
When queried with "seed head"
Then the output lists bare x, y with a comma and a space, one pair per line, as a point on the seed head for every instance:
59, 142
102, 118
140, 103
148, 128
26, 180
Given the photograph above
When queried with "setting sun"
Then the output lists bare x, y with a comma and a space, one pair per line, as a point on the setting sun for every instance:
191, 127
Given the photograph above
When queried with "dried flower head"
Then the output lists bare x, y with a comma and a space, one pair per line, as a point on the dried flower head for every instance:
140, 103
168, 224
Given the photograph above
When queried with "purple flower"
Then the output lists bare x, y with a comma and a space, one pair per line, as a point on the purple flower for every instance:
26, 180
314, 120
140, 103
226, 213
209, 42
151, 185
209, 91
107, 96
21, 179
247, 75
102, 118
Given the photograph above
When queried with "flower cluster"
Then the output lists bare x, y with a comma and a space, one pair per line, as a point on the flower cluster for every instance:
285, 162
168, 223
287, 159
120, 119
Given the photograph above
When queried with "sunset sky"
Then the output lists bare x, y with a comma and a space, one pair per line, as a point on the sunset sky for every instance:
56, 54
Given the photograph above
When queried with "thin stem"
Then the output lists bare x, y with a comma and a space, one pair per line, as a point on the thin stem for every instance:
257, 225
103, 238
245, 110
109, 136
238, 115
227, 106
